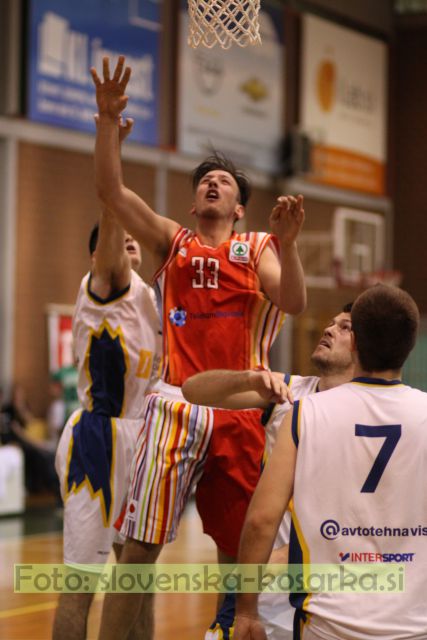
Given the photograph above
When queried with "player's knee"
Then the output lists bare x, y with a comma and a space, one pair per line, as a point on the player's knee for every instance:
136, 552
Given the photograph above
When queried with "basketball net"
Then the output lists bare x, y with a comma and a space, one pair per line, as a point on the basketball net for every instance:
223, 22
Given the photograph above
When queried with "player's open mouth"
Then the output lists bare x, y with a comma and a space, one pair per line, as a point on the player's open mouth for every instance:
212, 195
325, 343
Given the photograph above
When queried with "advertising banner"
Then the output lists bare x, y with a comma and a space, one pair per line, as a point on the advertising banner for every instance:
344, 106
67, 38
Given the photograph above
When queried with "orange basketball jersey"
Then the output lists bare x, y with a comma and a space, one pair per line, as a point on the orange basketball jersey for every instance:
215, 315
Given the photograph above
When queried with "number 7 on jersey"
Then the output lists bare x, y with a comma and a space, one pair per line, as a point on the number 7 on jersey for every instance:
391, 433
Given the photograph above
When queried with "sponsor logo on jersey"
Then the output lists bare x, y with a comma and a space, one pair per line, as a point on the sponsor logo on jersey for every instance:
363, 556
183, 252
331, 530
213, 315
178, 316
239, 251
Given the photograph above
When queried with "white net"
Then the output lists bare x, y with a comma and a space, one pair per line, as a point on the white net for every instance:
223, 22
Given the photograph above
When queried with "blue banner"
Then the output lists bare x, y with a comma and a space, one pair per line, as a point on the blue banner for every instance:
67, 38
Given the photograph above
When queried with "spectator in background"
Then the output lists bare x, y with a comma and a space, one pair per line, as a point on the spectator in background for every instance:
56, 413
19, 426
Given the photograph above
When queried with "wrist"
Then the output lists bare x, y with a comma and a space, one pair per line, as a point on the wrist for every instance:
106, 118
288, 244
246, 607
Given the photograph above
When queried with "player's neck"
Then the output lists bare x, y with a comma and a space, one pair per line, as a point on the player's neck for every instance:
390, 374
331, 380
213, 232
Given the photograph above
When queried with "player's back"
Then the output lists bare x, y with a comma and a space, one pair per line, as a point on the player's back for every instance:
115, 342
360, 496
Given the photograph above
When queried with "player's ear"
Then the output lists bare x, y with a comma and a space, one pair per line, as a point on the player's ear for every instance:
239, 211
353, 345
193, 209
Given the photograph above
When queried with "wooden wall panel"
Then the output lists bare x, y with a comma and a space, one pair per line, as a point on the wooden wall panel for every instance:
410, 129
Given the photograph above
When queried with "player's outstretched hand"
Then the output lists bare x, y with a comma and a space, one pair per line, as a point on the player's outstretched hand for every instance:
287, 218
110, 92
271, 386
247, 628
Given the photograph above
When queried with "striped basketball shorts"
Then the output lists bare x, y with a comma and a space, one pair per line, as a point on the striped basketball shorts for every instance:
169, 459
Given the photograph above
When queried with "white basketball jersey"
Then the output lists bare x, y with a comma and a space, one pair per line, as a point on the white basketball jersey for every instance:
300, 386
275, 414
116, 342
360, 495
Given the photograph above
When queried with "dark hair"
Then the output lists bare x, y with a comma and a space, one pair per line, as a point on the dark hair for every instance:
219, 161
93, 238
385, 322
347, 307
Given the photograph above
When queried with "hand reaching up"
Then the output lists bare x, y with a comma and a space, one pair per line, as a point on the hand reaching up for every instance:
110, 93
287, 218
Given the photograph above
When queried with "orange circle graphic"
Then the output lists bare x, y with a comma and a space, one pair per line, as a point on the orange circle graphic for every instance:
326, 78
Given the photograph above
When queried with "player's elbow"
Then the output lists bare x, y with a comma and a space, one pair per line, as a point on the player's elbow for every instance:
294, 306
259, 523
189, 391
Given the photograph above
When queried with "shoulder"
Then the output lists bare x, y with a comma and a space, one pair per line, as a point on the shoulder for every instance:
302, 385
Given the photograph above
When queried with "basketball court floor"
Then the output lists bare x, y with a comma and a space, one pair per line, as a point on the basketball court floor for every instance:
37, 538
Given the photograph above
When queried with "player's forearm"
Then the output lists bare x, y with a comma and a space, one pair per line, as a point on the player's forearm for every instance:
112, 263
293, 292
222, 388
255, 546
108, 170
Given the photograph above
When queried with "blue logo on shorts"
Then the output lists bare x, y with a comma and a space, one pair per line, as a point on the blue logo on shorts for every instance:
178, 316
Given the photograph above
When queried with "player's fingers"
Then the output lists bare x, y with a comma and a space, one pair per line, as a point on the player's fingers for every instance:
276, 211
282, 201
119, 68
285, 393
95, 77
106, 68
125, 78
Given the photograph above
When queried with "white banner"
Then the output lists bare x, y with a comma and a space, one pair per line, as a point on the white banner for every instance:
233, 100
344, 104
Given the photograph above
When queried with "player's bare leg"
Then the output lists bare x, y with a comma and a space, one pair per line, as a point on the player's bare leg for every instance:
71, 616
121, 611
143, 628
226, 605
223, 558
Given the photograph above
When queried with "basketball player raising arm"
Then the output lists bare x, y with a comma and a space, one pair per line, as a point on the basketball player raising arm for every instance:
115, 334
282, 282
238, 287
